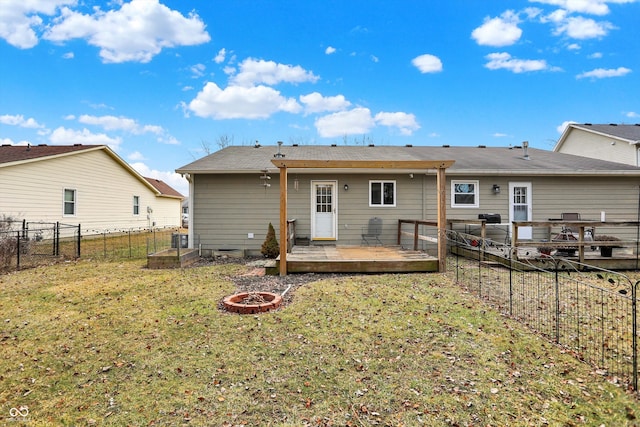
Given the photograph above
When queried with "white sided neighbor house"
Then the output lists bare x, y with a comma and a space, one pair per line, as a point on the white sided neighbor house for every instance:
614, 142
88, 185
235, 193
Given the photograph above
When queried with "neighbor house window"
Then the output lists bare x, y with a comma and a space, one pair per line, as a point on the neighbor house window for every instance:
464, 194
69, 204
382, 193
136, 205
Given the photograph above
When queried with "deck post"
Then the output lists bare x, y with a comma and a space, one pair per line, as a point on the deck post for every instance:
283, 221
442, 220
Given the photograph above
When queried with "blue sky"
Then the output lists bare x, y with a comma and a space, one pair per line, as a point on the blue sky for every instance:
165, 82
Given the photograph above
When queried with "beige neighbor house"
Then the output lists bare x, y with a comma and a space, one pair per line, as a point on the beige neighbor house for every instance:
88, 185
612, 142
235, 192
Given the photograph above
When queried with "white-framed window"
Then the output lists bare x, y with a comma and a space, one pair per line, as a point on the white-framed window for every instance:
136, 205
464, 194
69, 202
382, 193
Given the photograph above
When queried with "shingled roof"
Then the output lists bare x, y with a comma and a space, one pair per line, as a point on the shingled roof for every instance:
468, 160
11, 155
17, 153
164, 188
628, 133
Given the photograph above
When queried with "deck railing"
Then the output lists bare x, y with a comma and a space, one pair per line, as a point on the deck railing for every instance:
415, 234
579, 235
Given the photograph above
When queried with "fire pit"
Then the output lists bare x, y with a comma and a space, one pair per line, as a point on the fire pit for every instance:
252, 302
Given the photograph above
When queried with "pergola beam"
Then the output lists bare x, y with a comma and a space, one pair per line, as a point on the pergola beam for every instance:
362, 164
440, 165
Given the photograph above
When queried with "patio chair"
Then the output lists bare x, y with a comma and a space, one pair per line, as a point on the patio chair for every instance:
569, 216
372, 231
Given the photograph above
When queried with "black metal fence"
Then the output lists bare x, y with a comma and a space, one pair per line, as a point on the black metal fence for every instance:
29, 244
591, 312
32, 244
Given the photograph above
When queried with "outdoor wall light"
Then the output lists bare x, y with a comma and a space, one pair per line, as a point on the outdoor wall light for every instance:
346, 187
496, 189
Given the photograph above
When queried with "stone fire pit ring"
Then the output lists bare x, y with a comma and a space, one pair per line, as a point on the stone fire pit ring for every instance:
252, 302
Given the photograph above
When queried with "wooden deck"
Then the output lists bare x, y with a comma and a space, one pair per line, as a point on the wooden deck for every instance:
357, 259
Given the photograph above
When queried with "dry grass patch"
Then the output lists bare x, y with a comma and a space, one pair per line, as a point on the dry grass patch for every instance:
116, 344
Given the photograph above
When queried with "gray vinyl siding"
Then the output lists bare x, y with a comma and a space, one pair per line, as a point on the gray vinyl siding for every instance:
228, 207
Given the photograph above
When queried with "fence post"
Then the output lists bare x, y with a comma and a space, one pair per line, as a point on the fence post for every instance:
634, 328
17, 250
79, 240
129, 243
56, 239
557, 307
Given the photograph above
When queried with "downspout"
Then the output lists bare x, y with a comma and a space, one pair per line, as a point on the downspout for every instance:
191, 242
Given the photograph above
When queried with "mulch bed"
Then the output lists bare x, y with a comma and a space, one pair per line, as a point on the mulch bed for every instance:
255, 279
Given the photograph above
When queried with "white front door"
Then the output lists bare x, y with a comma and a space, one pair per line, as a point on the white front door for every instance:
520, 207
324, 205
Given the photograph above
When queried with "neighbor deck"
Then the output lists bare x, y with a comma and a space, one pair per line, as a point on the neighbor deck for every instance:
358, 259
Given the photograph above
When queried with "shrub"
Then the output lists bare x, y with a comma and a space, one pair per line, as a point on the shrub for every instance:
8, 240
270, 247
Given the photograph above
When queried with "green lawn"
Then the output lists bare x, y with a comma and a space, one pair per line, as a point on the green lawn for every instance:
112, 343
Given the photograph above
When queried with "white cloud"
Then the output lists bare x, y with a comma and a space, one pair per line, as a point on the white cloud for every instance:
500, 31
564, 125
19, 120
502, 60
357, 121
427, 63
316, 103
602, 73
406, 123
68, 55
136, 155
197, 70
120, 123
219, 58
595, 55
592, 7
8, 141
137, 31
632, 114
64, 136
574, 46
329, 50
374, 58
254, 71
236, 102
18, 18
581, 28
175, 180
500, 135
